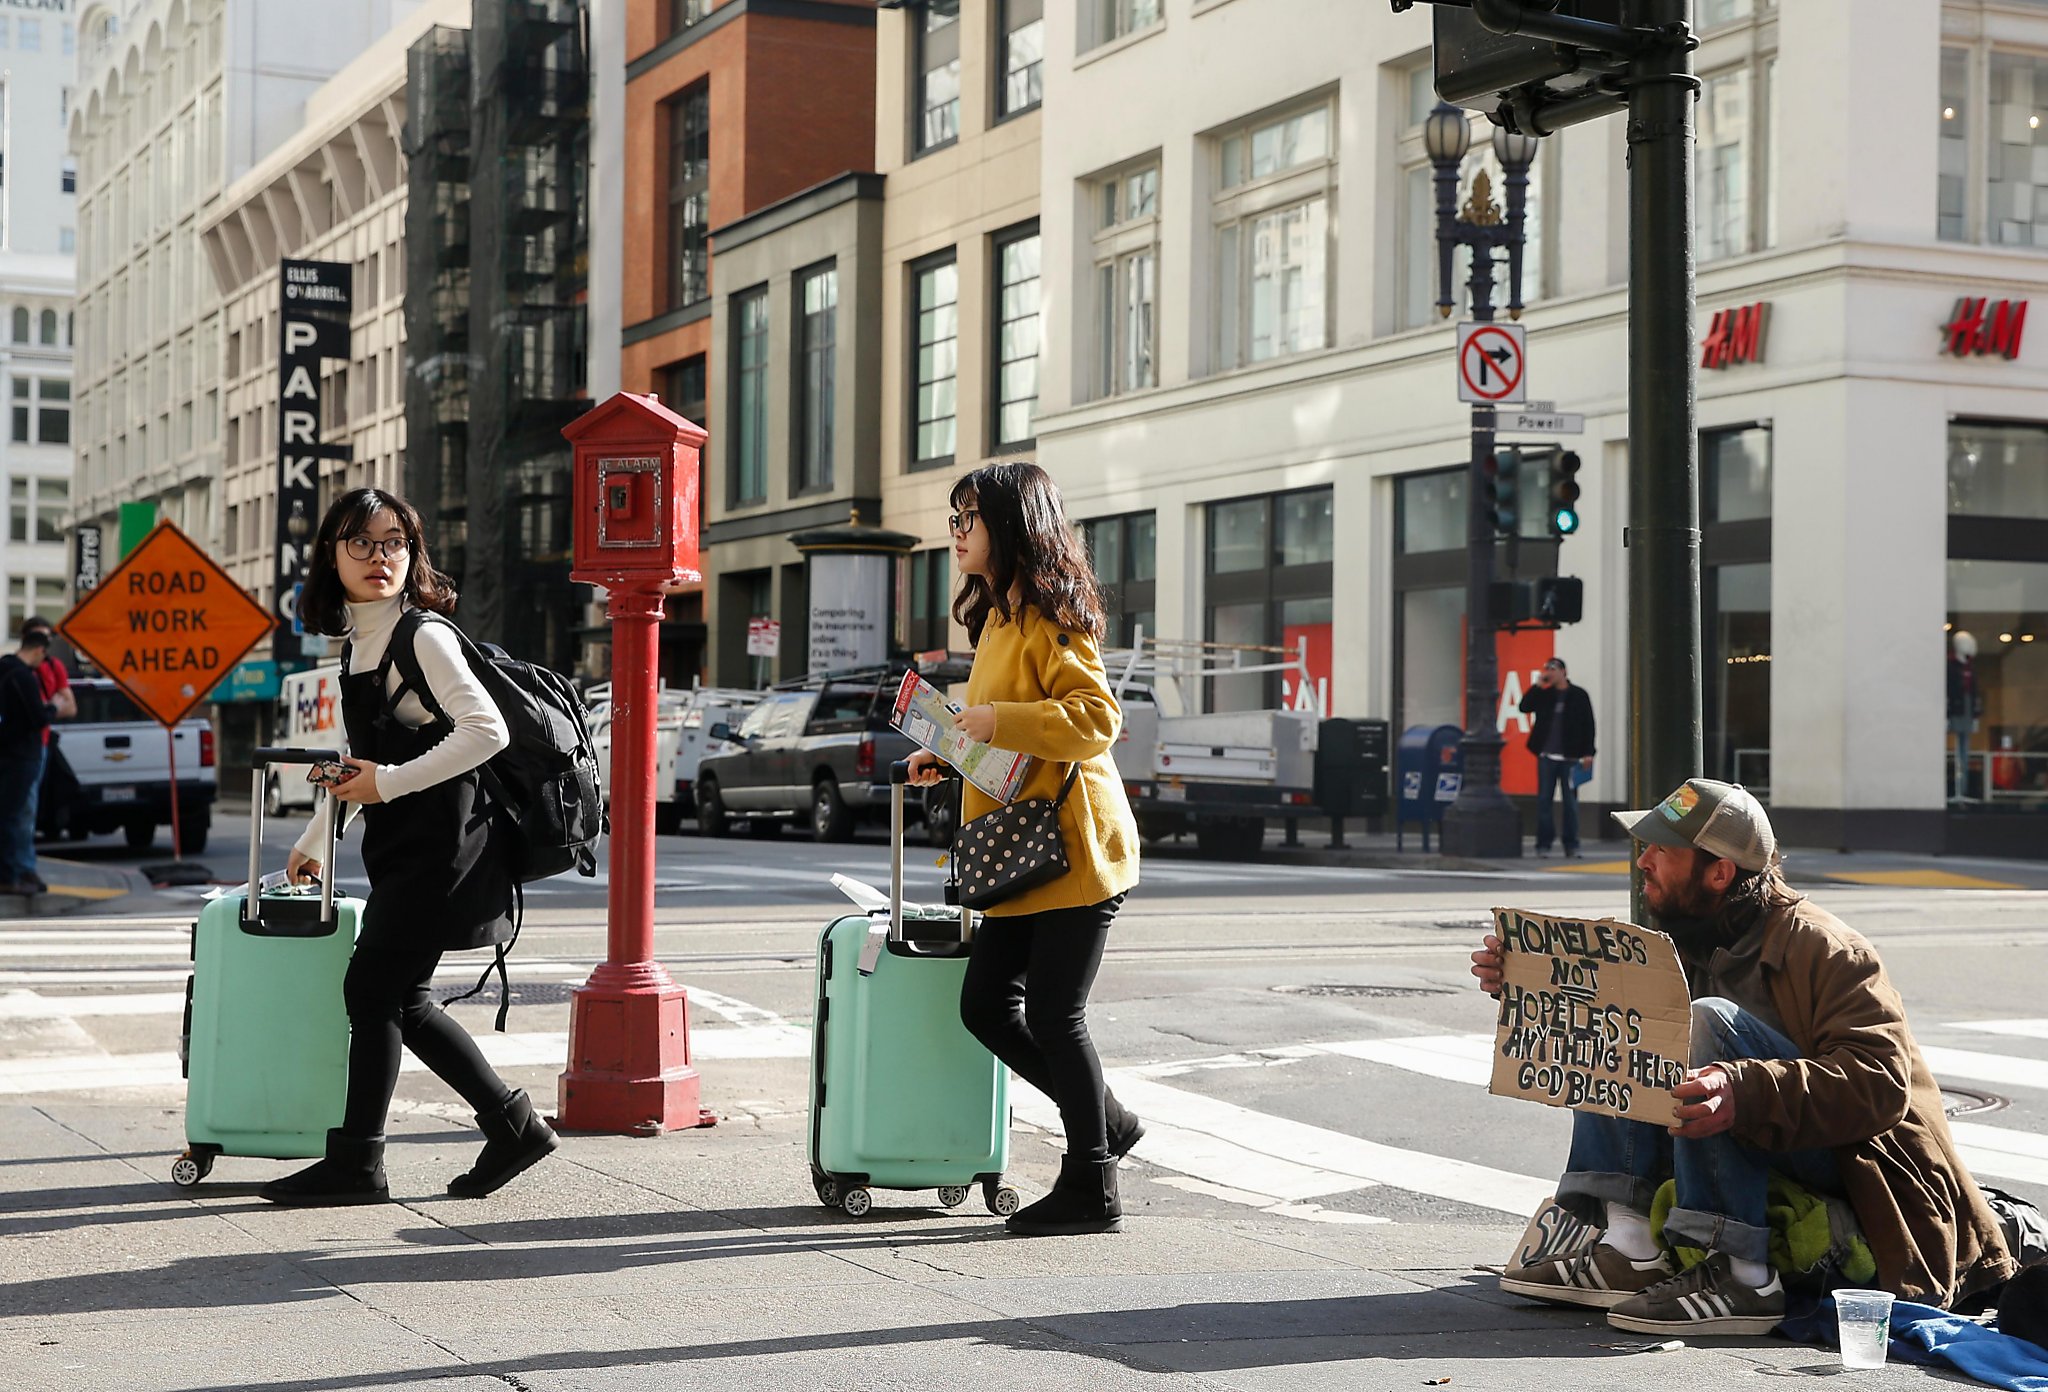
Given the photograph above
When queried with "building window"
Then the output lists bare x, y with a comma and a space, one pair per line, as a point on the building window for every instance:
1127, 281
53, 497
23, 411
1125, 554
1272, 237
935, 306
750, 398
683, 389
53, 416
46, 327
1735, 562
22, 319
1113, 19
2016, 185
1952, 179
816, 365
927, 602
32, 37
68, 179
1023, 65
938, 74
1735, 173
1418, 250
689, 197
67, 241
1016, 345
684, 13
1269, 586
17, 514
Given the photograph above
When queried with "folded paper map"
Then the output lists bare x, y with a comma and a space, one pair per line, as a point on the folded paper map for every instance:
927, 717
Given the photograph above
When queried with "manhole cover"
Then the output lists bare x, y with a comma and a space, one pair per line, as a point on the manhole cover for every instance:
1960, 1101
1376, 992
523, 993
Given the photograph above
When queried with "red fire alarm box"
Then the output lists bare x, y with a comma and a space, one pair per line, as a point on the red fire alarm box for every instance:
635, 493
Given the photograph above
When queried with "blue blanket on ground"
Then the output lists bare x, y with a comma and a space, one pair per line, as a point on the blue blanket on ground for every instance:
1924, 1334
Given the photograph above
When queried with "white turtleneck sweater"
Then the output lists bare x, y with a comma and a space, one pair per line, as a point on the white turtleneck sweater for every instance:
480, 731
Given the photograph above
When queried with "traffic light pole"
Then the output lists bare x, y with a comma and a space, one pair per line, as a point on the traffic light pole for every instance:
1663, 539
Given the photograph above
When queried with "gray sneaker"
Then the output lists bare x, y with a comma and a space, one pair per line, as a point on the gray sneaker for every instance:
1598, 1278
1705, 1300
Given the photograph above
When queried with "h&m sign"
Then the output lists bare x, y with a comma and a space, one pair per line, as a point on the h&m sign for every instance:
1736, 336
313, 300
1981, 328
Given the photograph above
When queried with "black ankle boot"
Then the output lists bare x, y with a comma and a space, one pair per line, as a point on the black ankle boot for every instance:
1125, 1130
514, 1140
352, 1173
1084, 1200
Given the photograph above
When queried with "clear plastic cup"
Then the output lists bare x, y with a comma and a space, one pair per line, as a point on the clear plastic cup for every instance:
1864, 1326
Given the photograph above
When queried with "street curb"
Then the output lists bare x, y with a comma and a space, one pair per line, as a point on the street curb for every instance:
97, 884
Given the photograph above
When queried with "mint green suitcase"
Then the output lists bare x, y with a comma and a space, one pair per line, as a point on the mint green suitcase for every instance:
265, 1043
902, 1096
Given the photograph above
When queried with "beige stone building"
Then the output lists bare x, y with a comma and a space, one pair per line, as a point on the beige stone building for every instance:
957, 137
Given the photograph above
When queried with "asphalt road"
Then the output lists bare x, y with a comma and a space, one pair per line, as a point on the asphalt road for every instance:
1329, 1006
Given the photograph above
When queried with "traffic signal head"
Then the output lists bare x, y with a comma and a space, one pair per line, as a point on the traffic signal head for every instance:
1503, 490
1564, 494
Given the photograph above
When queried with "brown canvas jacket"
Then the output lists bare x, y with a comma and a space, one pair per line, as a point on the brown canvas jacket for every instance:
1864, 1091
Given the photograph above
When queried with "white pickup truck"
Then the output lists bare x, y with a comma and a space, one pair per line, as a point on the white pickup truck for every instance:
1220, 774
122, 760
681, 734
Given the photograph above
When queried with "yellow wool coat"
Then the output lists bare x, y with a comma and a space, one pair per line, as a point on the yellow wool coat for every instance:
1053, 702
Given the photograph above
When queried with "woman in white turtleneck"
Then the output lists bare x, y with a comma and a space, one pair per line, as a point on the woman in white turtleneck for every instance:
440, 880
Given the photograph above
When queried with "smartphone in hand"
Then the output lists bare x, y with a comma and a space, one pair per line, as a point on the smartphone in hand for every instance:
330, 773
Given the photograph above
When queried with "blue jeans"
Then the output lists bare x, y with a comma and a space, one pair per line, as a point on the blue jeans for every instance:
1556, 774
1722, 1182
21, 774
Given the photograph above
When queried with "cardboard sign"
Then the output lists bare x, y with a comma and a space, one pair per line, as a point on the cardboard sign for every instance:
1553, 1234
1594, 1016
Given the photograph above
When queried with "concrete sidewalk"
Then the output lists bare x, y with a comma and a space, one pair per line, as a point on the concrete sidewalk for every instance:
700, 1259
74, 887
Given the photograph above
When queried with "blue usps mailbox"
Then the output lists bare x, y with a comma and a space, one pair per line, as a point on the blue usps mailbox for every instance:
1430, 766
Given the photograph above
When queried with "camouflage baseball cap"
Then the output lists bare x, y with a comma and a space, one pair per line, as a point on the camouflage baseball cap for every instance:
1722, 819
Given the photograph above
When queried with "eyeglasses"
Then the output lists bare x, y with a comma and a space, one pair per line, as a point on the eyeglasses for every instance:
961, 523
362, 548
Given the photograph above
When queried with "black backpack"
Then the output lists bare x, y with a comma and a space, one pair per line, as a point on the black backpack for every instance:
546, 781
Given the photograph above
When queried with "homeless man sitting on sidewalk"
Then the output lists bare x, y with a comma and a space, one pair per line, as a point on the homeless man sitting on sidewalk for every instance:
1802, 1065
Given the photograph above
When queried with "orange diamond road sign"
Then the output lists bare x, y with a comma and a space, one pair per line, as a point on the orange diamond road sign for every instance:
167, 624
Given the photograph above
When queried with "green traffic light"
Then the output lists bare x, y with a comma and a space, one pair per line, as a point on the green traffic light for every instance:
1566, 522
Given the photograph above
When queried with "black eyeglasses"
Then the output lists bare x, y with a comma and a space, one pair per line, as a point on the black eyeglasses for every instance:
362, 548
961, 523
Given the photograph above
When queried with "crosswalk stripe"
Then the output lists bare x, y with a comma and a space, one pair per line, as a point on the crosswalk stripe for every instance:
2003, 1069
2021, 1029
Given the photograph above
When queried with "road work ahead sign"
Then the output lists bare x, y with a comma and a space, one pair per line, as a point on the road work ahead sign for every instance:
166, 624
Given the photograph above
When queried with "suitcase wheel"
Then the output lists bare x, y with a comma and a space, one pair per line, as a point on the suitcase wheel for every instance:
1002, 1200
828, 1191
191, 1167
857, 1203
952, 1195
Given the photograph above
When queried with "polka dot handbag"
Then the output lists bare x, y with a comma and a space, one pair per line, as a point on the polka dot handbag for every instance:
1012, 849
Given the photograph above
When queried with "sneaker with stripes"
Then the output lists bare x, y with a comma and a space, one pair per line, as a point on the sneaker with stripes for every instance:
1598, 1278
1709, 1299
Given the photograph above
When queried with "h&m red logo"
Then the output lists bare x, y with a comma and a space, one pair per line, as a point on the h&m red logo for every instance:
1736, 336
1980, 328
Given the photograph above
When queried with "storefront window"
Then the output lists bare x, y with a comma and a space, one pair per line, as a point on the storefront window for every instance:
1998, 470
1737, 466
1269, 587
1739, 675
1432, 511
1998, 712
1123, 550
1433, 656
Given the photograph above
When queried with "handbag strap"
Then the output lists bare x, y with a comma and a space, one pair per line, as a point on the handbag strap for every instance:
1073, 772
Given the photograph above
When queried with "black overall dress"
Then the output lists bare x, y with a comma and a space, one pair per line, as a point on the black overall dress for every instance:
438, 877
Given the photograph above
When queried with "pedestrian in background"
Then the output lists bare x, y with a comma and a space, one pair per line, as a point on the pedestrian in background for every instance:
58, 785
25, 714
439, 879
1561, 738
1033, 614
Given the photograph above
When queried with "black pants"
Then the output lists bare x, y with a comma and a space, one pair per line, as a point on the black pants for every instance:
1026, 999
388, 991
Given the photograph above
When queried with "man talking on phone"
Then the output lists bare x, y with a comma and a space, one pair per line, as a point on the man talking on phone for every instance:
1561, 738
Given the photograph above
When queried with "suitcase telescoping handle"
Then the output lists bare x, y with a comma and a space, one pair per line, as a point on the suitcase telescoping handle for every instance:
263, 757
899, 779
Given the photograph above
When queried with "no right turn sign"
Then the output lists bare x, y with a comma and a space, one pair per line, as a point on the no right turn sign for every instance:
1493, 363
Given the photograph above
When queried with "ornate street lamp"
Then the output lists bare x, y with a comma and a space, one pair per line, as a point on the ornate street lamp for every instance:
1481, 822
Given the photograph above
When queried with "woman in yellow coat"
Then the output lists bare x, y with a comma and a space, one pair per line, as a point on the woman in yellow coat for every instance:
1033, 614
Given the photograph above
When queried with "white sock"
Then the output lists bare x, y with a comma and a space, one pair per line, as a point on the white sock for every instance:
1754, 1274
1628, 1232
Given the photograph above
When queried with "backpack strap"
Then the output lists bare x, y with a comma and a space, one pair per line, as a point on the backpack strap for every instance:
401, 653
